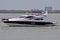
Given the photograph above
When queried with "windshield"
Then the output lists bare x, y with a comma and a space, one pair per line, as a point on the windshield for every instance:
26, 16
29, 17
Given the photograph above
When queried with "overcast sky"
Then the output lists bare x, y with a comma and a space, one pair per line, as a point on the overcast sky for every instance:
28, 4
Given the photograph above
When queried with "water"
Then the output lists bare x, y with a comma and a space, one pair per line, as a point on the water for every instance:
30, 33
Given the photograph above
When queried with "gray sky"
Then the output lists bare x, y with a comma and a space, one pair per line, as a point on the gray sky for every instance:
29, 4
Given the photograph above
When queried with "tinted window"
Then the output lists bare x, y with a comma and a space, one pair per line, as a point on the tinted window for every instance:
29, 17
39, 19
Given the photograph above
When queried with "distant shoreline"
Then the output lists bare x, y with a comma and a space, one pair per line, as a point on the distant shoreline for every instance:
26, 11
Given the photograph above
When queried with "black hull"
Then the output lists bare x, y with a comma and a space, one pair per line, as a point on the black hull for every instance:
28, 22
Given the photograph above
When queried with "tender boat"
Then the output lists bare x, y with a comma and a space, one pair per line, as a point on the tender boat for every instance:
29, 20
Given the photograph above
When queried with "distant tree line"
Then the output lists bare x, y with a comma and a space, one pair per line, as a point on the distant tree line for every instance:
27, 11
19, 11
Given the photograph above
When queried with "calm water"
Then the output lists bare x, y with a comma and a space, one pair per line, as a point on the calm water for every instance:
30, 33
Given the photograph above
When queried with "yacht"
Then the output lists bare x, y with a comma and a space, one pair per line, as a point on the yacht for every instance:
30, 20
